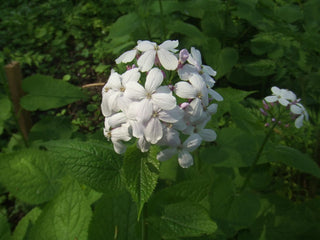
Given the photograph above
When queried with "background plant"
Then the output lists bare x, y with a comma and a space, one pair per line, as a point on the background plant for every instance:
70, 180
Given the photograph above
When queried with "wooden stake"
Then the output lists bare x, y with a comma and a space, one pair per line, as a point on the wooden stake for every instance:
14, 77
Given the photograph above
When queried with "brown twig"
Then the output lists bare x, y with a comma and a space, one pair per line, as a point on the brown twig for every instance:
93, 85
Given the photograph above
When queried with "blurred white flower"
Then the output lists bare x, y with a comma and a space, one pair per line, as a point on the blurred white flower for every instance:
283, 96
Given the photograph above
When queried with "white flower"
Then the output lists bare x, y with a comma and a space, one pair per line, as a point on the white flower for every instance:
283, 96
152, 94
299, 109
116, 135
113, 90
195, 66
164, 53
154, 130
184, 157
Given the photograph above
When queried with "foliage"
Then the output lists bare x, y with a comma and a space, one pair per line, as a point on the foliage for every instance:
66, 182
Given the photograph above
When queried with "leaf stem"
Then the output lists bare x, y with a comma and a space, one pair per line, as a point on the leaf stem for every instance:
144, 233
255, 161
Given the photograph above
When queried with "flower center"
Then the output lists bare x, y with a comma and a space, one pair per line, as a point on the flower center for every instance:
149, 95
199, 95
122, 89
106, 89
155, 114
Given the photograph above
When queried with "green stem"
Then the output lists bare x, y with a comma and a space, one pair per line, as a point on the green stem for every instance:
255, 161
197, 160
162, 20
144, 233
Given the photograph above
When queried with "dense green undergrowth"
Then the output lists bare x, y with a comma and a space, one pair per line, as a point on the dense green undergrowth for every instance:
66, 182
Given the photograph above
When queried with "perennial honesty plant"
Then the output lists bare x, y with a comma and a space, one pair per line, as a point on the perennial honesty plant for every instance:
165, 98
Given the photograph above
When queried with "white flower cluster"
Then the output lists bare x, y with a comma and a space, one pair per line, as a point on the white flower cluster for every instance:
163, 97
288, 99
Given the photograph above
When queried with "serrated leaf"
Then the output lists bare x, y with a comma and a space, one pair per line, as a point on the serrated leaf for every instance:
44, 92
91, 162
25, 223
141, 172
31, 175
294, 158
65, 217
114, 217
289, 13
188, 30
184, 219
226, 59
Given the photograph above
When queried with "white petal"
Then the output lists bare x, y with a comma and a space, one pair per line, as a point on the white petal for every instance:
127, 56
209, 70
186, 71
212, 108
113, 101
192, 142
146, 60
208, 135
185, 90
143, 145
171, 137
164, 100
135, 91
275, 90
271, 99
196, 57
198, 82
288, 95
169, 45
284, 102
153, 80
130, 75
185, 159
119, 147
153, 131
296, 109
144, 110
215, 95
117, 119
167, 59
195, 109
137, 128
171, 116
166, 154
144, 46
299, 122
120, 133
208, 80
114, 81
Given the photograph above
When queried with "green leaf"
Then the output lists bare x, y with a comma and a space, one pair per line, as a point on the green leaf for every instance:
289, 13
51, 128
260, 68
31, 175
230, 209
223, 61
124, 25
114, 217
141, 172
44, 92
25, 223
93, 163
294, 158
184, 219
66, 217
188, 30
5, 233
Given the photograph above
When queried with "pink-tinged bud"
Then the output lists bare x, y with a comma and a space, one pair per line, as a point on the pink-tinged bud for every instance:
264, 113
287, 125
183, 55
273, 119
130, 67
171, 87
184, 105
265, 105
266, 124
279, 122
272, 104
